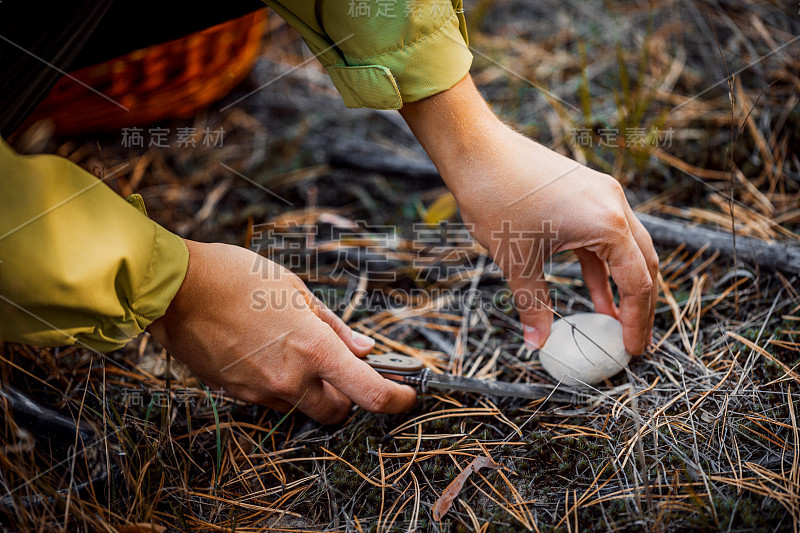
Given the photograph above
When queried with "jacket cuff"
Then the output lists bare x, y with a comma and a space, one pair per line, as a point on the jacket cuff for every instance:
382, 60
78, 264
433, 64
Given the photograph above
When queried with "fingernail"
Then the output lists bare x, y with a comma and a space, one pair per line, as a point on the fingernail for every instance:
362, 341
531, 335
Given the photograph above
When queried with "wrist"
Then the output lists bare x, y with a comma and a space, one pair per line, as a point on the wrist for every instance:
455, 127
158, 328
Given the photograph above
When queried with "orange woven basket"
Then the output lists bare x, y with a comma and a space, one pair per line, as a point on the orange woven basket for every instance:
170, 80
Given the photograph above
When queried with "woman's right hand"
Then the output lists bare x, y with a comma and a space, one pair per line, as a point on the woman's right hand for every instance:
525, 202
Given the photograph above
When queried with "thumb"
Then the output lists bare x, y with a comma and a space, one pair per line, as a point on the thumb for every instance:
532, 300
360, 382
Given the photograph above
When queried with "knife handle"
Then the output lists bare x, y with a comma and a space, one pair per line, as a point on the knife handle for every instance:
395, 364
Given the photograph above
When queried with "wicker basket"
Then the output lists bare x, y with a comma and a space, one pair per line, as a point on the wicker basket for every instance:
169, 80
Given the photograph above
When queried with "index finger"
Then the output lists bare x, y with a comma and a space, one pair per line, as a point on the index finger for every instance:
635, 285
645, 243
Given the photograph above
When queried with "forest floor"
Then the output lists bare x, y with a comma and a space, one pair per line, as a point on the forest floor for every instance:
692, 105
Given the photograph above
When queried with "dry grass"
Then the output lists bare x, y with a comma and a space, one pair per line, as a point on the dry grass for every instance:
700, 434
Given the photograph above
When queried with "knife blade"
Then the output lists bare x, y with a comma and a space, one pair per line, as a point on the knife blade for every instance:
410, 371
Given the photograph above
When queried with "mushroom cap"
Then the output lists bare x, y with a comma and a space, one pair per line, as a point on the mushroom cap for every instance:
584, 348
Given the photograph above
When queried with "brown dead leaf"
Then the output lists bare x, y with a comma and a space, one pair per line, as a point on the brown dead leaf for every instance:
445, 501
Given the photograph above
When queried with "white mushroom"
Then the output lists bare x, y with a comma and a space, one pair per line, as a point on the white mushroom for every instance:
584, 348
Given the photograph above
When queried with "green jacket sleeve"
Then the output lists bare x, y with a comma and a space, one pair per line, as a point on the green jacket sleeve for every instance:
78, 264
383, 53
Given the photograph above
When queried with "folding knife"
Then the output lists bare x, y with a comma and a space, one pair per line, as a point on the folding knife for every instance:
410, 371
